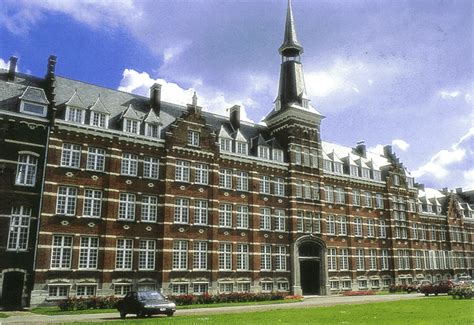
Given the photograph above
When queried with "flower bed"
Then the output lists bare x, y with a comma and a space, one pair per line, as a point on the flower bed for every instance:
187, 299
359, 293
74, 303
461, 292
402, 288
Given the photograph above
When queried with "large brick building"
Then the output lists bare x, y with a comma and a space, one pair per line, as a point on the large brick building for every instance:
138, 193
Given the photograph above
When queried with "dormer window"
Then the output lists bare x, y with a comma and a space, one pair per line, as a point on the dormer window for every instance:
377, 175
75, 114
131, 126
410, 182
305, 103
34, 102
99, 119
33, 109
429, 208
278, 155
354, 170
152, 130
365, 172
226, 144
438, 209
338, 168
263, 152
327, 165
396, 180
193, 138
241, 147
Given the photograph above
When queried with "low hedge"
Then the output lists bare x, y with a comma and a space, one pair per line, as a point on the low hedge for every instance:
187, 299
359, 293
402, 288
80, 303
461, 292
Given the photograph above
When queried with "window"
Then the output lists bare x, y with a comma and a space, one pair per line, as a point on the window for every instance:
26, 170
338, 167
202, 174
343, 226
280, 258
314, 158
360, 262
279, 186
263, 152
346, 285
299, 189
242, 217
344, 259
225, 178
180, 255
370, 228
354, 171
200, 212
365, 172
34, 109
384, 260
297, 155
241, 148
300, 221
66, 201
339, 196
415, 231
19, 227
419, 260
265, 219
193, 138
92, 203
378, 201
327, 165
267, 286
225, 144
242, 181
61, 252
242, 257
71, 155
331, 225
225, 215
372, 259
131, 126
146, 255
243, 286
410, 182
358, 227
98, 120
382, 229
368, 199
226, 287
200, 288
55, 291
396, 180
362, 284
122, 289
150, 167
356, 197
278, 155
328, 190
332, 261
124, 254
264, 184
306, 157
179, 288
152, 130
75, 115
200, 255
334, 284
181, 173
181, 210
225, 257
88, 253
377, 175
126, 206
375, 284
95, 159
85, 290
315, 190
129, 164
266, 257
307, 190
280, 220
149, 208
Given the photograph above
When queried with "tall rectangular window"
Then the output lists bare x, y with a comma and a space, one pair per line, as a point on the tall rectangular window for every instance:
181, 173
71, 155
88, 253
332, 261
200, 212
75, 114
379, 201
384, 260
331, 225
278, 155
131, 126
370, 228
225, 257
146, 254
265, 219
225, 178
61, 252
225, 215
193, 138
414, 231
360, 260
263, 152
339, 195
297, 150
66, 201
19, 228
264, 184
126, 206
242, 217
92, 203
225, 144
307, 190
241, 147
150, 167
299, 189
129, 164
344, 259
95, 159
382, 229
372, 259
329, 192
342, 225
242, 257
181, 210
280, 258
280, 222
306, 157
124, 254
26, 170
242, 181
377, 175
300, 221
265, 258
368, 199
356, 197
358, 227
149, 208
200, 255
279, 186
180, 255
202, 174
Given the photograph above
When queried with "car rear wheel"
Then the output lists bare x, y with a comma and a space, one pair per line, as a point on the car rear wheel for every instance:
140, 314
170, 313
123, 314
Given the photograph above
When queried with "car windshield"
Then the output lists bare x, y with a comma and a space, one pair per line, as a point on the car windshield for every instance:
150, 295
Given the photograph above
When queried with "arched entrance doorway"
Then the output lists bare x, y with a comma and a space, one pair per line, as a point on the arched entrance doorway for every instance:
12, 290
309, 262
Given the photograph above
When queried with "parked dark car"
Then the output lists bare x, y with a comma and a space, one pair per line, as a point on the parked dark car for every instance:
436, 288
145, 303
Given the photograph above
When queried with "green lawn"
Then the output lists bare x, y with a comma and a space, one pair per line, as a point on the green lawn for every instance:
2, 315
433, 310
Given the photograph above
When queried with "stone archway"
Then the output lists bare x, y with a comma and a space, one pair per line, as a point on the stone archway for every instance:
309, 266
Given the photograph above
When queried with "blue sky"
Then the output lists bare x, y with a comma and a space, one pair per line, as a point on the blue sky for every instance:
387, 72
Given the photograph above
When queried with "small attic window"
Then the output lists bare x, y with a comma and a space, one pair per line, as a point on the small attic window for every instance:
327, 165
278, 155
354, 170
365, 172
99, 119
338, 167
131, 126
33, 101
75, 114
33, 109
263, 152
396, 180
153, 130
377, 175
410, 182
241, 147
225, 144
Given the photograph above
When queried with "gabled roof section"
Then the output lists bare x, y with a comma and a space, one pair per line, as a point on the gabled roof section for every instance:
99, 107
223, 133
152, 118
75, 101
130, 113
261, 141
240, 137
35, 95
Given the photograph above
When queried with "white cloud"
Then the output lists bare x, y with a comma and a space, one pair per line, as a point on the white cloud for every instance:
468, 179
211, 101
4, 64
449, 94
400, 144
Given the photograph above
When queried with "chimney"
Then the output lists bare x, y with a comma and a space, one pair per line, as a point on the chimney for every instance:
235, 117
12, 69
387, 151
155, 98
51, 66
50, 87
361, 148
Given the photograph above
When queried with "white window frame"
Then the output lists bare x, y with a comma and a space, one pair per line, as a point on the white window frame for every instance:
127, 206
201, 174
151, 167
181, 211
99, 120
266, 257
242, 257
225, 256
242, 181
264, 184
149, 208
225, 178
66, 201
71, 155
225, 215
242, 217
182, 171
180, 255
92, 207
280, 258
61, 252
194, 138
129, 164
95, 159
18, 233
26, 169
265, 219
200, 255
147, 254
75, 114
201, 212
124, 254
131, 126
88, 253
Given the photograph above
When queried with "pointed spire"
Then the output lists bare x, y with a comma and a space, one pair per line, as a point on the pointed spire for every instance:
290, 46
195, 99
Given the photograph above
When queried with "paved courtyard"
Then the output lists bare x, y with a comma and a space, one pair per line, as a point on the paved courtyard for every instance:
309, 302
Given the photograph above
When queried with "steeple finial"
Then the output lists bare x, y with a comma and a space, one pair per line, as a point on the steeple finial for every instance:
290, 46
195, 99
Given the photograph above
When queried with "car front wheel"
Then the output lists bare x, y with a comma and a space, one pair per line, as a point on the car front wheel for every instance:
170, 313
123, 314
